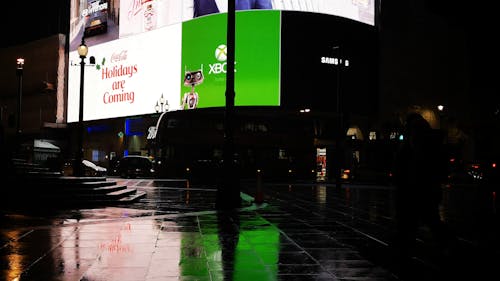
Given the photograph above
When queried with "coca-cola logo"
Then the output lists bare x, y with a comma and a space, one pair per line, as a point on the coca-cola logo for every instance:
134, 8
121, 56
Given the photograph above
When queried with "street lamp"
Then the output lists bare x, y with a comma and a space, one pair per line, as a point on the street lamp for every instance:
19, 73
228, 191
442, 117
162, 102
161, 105
82, 52
340, 132
337, 92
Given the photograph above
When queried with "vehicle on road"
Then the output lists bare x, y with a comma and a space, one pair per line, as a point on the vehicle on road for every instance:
133, 166
466, 173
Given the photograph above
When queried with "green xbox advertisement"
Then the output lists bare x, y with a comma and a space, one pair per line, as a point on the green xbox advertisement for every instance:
257, 60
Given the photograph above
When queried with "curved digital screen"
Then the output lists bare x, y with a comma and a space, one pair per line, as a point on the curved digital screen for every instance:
156, 55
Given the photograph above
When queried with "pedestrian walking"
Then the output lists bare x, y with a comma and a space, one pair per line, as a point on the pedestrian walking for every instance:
420, 168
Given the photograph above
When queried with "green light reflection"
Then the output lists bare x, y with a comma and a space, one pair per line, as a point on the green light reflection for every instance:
245, 249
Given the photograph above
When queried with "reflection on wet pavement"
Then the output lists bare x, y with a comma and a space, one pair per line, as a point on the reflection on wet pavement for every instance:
301, 233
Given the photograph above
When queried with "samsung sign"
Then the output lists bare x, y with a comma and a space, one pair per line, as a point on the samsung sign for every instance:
334, 61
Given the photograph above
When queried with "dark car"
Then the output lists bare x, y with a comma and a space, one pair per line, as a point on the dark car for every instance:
133, 166
96, 17
466, 173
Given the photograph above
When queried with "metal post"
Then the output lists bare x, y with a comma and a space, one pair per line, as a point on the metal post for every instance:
19, 72
228, 191
340, 134
78, 166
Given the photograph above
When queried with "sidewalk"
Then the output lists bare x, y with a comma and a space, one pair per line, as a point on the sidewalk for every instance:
300, 232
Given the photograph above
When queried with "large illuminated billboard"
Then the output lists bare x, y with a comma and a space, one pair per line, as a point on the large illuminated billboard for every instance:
257, 66
145, 50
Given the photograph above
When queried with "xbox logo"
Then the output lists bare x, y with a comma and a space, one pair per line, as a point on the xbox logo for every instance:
221, 56
221, 53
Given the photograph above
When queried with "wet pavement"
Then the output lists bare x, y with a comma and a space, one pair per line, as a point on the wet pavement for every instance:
301, 231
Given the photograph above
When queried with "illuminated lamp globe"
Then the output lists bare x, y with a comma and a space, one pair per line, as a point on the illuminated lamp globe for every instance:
83, 50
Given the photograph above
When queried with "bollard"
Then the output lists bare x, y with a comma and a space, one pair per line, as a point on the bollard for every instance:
188, 177
259, 196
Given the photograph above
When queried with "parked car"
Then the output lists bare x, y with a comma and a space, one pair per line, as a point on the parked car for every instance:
466, 173
133, 166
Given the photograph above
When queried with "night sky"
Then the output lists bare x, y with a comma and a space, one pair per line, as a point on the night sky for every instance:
25, 21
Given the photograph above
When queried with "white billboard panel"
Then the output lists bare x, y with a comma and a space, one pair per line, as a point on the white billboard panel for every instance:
129, 77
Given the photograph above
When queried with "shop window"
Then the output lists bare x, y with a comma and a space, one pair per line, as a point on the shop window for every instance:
98, 156
282, 154
393, 135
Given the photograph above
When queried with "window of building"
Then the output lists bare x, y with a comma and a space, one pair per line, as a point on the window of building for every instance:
372, 136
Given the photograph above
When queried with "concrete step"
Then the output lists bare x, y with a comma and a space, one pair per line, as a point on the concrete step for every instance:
79, 184
66, 191
34, 185
133, 197
121, 193
41, 173
108, 188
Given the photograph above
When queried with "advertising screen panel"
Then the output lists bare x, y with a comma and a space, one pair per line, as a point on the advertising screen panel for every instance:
145, 50
129, 76
257, 67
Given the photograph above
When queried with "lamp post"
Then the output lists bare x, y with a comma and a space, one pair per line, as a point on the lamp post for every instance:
19, 73
162, 102
228, 190
78, 167
443, 122
161, 105
340, 123
440, 109
337, 91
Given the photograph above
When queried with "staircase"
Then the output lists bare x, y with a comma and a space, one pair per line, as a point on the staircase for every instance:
39, 185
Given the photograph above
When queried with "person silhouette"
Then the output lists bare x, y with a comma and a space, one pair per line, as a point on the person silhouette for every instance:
419, 170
